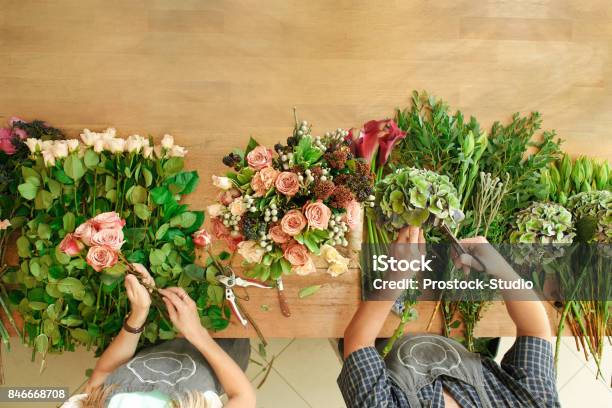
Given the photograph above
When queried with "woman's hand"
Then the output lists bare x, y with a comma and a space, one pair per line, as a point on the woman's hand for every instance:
183, 312
485, 252
140, 299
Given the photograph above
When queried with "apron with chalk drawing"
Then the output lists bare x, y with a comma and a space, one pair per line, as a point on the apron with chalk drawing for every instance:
417, 360
174, 367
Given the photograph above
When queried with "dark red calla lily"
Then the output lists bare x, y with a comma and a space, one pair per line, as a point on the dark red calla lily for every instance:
381, 134
392, 135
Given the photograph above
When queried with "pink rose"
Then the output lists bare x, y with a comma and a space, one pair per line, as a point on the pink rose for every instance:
353, 214
227, 196
219, 230
108, 220
287, 183
317, 214
85, 232
263, 181
293, 222
306, 269
201, 238
233, 240
6, 141
70, 245
296, 254
259, 157
278, 235
109, 237
101, 257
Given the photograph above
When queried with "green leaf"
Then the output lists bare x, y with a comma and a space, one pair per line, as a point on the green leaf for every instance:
44, 231
38, 305
73, 167
142, 211
161, 231
28, 172
43, 200
184, 220
137, 194
55, 188
70, 285
216, 294
41, 344
161, 195
308, 291
148, 177
80, 335
91, 159
173, 165
194, 271
157, 257
61, 256
117, 269
27, 190
211, 275
23, 247
72, 321
186, 181
250, 146
69, 222
276, 270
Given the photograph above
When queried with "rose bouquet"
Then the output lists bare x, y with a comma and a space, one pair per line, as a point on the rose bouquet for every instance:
278, 207
78, 193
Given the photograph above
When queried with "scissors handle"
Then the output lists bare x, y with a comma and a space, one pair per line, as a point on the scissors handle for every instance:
458, 247
231, 299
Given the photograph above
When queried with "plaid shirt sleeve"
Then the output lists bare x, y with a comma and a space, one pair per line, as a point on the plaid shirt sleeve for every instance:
364, 382
530, 362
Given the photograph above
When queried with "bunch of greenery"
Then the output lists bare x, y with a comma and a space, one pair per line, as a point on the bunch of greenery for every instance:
409, 196
564, 178
63, 301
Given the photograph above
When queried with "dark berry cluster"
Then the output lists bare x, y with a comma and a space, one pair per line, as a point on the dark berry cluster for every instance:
341, 197
232, 160
250, 226
337, 157
324, 189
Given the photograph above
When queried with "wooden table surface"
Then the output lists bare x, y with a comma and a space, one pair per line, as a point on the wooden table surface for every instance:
213, 73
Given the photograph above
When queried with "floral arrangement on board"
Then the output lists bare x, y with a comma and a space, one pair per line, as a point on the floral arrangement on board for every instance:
13, 151
279, 207
119, 198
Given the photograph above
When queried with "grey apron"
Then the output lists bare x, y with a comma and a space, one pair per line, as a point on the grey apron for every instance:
173, 367
417, 360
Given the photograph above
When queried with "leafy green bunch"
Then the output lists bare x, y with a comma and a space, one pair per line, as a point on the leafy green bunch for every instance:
543, 223
593, 212
409, 196
63, 301
564, 178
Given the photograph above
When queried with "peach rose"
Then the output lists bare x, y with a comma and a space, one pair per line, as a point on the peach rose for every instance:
278, 235
70, 245
201, 238
287, 183
293, 222
317, 214
108, 220
306, 269
237, 207
353, 214
296, 254
227, 196
85, 231
259, 157
111, 238
101, 257
263, 180
251, 251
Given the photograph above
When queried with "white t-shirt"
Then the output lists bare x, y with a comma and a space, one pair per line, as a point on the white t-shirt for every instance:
152, 399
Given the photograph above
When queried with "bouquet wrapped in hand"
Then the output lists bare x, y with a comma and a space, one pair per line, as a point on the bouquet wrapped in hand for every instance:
279, 206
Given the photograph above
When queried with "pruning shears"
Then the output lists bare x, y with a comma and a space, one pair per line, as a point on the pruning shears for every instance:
459, 249
229, 282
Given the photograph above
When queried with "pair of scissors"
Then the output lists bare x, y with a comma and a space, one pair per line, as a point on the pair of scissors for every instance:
229, 282
457, 247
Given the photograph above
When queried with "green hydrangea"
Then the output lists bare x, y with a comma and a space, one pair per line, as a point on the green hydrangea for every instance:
543, 223
410, 195
593, 212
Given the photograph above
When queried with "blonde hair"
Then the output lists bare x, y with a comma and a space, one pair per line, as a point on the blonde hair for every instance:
98, 396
